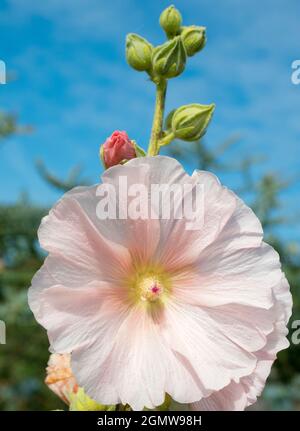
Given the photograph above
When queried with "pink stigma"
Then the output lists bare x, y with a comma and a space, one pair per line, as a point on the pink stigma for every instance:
155, 288
150, 289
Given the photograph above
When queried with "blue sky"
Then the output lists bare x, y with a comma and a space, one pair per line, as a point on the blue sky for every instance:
74, 87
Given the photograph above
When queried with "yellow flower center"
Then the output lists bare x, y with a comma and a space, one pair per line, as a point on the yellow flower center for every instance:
151, 289
148, 285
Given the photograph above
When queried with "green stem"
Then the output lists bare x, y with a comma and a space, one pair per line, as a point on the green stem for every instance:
161, 89
167, 139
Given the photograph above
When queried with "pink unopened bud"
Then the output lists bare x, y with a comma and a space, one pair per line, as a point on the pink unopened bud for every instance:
117, 147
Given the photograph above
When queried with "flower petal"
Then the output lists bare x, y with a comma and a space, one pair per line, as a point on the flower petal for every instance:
213, 356
232, 397
69, 233
238, 395
71, 316
244, 276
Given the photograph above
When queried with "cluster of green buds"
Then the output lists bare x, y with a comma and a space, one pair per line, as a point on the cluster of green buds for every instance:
169, 59
164, 62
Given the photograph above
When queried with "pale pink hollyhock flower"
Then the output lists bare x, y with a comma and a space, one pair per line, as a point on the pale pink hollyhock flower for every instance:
59, 377
116, 148
147, 307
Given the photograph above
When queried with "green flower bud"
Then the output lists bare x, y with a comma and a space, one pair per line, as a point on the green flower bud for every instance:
170, 20
169, 59
138, 52
193, 38
190, 122
168, 120
81, 402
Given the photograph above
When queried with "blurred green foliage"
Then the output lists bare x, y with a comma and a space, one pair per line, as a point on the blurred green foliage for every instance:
23, 359
9, 126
